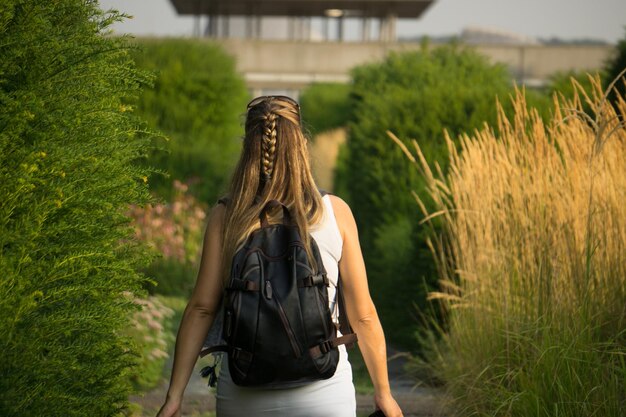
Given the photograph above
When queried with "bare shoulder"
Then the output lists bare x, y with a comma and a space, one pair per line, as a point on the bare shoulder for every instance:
343, 214
216, 218
218, 212
339, 205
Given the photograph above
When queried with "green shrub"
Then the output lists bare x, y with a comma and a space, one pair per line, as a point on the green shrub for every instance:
565, 86
561, 83
68, 152
414, 95
341, 176
613, 68
325, 106
197, 101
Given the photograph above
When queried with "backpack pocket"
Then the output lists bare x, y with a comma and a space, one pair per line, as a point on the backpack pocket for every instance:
326, 363
240, 320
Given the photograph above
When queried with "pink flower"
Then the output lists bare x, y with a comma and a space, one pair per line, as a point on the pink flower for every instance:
158, 353
154, 325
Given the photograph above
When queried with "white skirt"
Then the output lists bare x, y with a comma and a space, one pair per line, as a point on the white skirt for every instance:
333, 397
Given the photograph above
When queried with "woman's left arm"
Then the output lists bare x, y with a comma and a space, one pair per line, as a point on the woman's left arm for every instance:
201, 308
361, 310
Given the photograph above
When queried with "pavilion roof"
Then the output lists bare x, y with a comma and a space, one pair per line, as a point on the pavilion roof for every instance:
303, 8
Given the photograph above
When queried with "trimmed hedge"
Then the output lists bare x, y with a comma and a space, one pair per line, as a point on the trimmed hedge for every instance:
198, 102
325, 106
415, 95
613, 68
68, 151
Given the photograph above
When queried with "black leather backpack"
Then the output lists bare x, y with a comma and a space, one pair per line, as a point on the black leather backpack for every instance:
277, 322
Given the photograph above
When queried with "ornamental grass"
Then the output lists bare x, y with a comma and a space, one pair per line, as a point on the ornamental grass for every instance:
533, 261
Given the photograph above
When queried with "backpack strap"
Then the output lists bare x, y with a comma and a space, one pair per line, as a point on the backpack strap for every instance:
348, 336
270, 206
344, 323
328, 345
218, 348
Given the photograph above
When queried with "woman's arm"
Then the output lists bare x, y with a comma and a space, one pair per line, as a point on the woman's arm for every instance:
360, 309
200, 311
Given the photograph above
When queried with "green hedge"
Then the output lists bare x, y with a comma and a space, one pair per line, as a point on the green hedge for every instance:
614, 67
68, 152
325, 106
416, 95
197, 102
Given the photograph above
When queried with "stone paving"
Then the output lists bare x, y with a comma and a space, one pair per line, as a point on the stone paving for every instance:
199, 400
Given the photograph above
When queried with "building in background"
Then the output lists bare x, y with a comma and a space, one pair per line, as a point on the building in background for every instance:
303, 20
281, 46
477, 35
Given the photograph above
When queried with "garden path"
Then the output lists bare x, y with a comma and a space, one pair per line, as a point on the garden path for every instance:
198, 401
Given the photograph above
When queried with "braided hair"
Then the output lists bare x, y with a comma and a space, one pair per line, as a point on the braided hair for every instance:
268, 144
274, 165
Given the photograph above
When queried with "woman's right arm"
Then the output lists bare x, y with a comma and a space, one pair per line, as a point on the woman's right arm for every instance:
199, 314
361, 310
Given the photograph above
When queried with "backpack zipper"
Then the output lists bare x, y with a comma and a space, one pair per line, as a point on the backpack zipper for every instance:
268, 290
283, 318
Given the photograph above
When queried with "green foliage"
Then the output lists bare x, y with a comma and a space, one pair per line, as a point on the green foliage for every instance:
171, 277
561, 83
325, 106
68, 153
341, 176
614, 67
196, 102
415, 95
565, 84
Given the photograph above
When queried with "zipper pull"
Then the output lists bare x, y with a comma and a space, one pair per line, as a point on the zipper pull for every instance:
228, 323
268, 290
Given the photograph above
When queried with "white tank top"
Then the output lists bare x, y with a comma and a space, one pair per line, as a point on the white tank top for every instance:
328, 238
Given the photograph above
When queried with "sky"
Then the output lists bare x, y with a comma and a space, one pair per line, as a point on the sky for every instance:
603, 20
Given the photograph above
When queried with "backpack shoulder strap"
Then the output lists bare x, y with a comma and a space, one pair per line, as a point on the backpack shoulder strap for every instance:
344, 323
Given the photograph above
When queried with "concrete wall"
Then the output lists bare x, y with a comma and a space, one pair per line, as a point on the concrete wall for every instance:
535, 63
292, 65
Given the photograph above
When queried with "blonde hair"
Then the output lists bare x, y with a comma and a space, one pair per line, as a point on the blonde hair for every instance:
274, 165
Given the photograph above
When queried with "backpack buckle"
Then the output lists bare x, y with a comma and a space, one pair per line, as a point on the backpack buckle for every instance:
325, 279
313, 280
320, 279
326, 346
238, 353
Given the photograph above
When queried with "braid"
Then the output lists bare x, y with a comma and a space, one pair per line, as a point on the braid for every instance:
268, 149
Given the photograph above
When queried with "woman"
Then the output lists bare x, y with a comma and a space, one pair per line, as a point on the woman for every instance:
274, 165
